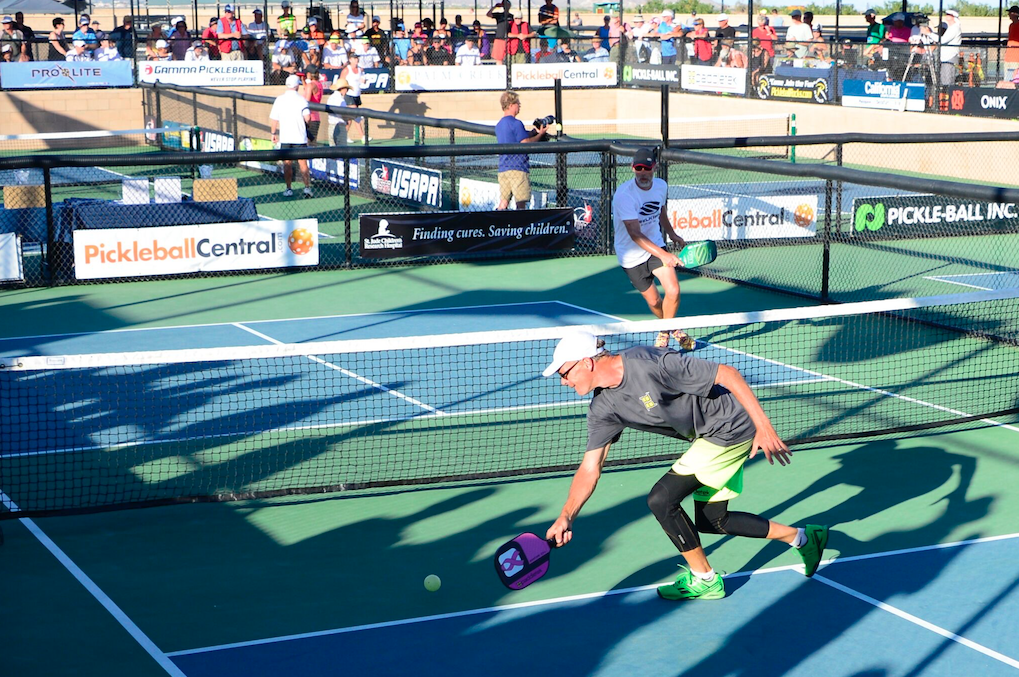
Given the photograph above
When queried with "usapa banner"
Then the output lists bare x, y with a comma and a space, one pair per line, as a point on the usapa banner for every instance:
434, 234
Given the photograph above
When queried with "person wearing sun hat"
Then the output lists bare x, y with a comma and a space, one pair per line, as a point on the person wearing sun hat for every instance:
710, 405
288, 123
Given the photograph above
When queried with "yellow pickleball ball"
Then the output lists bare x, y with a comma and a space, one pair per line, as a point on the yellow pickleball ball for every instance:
432, 583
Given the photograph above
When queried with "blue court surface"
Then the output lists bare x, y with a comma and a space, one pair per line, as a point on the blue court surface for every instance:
891, 613
304, 393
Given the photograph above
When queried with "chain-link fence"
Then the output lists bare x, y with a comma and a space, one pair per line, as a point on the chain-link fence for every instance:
839, 217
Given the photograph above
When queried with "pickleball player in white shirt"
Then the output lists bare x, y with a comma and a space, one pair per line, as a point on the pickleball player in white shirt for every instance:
639, 217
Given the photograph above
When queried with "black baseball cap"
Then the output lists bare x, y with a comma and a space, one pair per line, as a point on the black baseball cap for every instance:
644, 156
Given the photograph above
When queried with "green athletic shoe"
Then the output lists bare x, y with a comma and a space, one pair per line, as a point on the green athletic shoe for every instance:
690, 586
811, 551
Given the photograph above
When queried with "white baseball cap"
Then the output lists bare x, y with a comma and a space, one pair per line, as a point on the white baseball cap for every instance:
78, 43
952, 12
722, 17
573, 347
668, 12
161, 44
293, 82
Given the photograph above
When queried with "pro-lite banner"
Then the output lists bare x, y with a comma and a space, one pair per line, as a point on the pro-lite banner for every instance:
744, 218
531, 75
651, 76
450, 78
987, 102
408, 182
64, 74
11, 261
373, 80
793, 89
202, 73
172, 250
883, 95
930, 215
401, 235
712, 79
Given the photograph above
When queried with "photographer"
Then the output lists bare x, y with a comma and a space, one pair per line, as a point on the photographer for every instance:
514, 170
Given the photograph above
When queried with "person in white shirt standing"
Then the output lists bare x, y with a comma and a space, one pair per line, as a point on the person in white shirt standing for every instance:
798, 35
468, 54
288, 121
639, 217
337, 125
951, 41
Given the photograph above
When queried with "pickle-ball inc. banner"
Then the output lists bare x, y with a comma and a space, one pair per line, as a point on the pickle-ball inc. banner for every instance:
534, 231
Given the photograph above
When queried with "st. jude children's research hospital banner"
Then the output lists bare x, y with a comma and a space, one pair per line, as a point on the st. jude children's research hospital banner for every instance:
420, 234
172, 250
64, 74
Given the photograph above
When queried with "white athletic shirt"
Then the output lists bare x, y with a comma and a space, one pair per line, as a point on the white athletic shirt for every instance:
629, 203
354, 79
288, 110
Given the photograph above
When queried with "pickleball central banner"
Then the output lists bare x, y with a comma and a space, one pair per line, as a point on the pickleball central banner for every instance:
534, 231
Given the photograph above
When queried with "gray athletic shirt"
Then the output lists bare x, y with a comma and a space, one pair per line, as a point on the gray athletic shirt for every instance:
668, 393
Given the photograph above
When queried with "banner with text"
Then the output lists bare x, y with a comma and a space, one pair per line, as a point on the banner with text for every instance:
407, 182
483, 196
744, 218
450, 78
512, 232
808, 90
930, 216
531, 75
714, 79
988, 102
651, 76
11, 261
884, 95
373, 80
66, 75
202, 73
173, 250
321, 169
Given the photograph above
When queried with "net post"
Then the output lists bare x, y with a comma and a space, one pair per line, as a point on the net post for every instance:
159, 112
838, 190
561, 188
51, 255
663, 164
348, 254
792, 132
608, 171
236, 125
454, 193
826, 241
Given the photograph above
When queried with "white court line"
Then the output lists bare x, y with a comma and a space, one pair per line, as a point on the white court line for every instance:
111, 607
288, 319
937, 629
561, 600
946, 280
350, 374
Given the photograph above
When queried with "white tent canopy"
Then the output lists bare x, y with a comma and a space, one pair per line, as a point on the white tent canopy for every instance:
35, 7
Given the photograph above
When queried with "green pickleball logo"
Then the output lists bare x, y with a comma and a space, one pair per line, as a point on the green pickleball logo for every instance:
869, 217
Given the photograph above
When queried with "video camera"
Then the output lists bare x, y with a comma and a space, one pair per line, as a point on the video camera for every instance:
547, 121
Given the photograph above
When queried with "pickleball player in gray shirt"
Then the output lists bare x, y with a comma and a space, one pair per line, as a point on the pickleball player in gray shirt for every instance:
658, 390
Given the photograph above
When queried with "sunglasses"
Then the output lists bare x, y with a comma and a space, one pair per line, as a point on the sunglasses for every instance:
643, 168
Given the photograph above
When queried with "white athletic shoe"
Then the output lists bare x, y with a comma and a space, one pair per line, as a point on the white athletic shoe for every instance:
288, 193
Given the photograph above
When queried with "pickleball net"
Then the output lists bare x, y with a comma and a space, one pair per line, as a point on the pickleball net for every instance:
87, 432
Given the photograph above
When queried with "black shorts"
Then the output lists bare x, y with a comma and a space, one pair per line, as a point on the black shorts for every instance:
312, 127
293, 145
641, 276
352, 100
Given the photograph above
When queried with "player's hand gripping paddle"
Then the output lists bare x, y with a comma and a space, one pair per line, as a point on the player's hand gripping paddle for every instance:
522, 560
697, 254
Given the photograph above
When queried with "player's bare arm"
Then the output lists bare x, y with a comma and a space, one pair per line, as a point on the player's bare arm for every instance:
766, 439
633, 228
663, 221
584, 482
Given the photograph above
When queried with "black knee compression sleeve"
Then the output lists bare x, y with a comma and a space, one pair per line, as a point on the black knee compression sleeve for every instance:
715, 518
664, 501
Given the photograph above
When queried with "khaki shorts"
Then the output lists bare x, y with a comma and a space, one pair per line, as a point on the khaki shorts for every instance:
516, 183
236, 55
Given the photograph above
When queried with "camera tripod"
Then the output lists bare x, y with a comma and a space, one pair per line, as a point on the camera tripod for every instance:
927, 62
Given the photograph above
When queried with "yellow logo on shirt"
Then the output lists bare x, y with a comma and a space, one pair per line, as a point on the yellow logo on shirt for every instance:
646, 400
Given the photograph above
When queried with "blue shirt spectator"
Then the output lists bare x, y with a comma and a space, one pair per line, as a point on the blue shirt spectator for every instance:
511, 130
668, 47
86, 34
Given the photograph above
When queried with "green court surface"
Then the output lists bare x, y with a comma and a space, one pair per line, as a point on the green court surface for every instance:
147, 591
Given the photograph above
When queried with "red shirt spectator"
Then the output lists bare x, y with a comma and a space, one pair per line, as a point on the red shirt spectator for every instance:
765, 35
518, 28
229, 30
